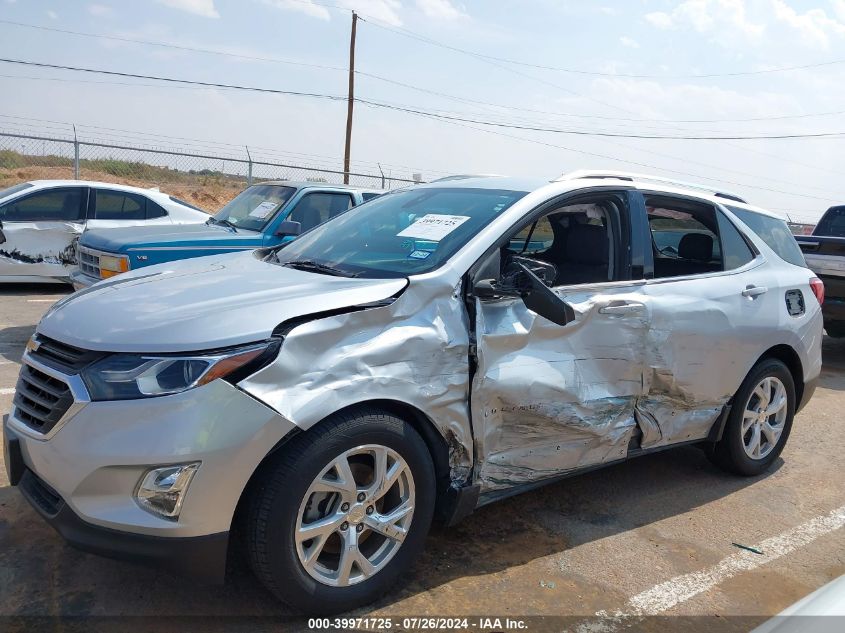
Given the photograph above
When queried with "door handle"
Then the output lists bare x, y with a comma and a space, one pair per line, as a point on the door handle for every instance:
754, 291
619, 308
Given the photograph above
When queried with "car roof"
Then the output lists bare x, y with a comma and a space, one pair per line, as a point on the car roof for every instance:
96, 184
304, 184
584, 178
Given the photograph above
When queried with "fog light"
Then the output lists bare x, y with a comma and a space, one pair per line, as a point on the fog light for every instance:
161, 491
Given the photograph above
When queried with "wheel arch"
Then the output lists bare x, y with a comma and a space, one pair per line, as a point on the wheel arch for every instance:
437, 445
789, 357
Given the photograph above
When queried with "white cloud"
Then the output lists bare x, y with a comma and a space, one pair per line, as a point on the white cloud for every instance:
440, 9
839, 9
814, 26
99, 9
205, 8
709, 16
660, 19
629, 42
52, 15
386, 11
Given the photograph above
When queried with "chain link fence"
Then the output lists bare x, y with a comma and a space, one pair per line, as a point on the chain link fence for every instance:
207, 180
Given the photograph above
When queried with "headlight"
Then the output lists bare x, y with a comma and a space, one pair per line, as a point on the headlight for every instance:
111, 265
130, 376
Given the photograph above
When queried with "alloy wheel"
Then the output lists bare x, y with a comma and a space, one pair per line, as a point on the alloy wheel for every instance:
355, 515
764, 418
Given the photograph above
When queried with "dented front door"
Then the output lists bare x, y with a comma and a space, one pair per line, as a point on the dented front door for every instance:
41, 230
547, 399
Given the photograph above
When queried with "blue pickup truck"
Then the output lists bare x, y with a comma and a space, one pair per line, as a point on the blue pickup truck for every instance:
263, 215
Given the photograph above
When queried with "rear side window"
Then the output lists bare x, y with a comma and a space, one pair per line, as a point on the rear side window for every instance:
187, 204
154, 210
775, 233
832, 223
735, 250
117, 205
56, 205
369, 196
691, 238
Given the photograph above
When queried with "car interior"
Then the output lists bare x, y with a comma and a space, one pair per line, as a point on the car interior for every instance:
577, 239
316, 208
685, 237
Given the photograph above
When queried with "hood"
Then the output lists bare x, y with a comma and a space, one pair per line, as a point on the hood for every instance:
200, 304
119, 240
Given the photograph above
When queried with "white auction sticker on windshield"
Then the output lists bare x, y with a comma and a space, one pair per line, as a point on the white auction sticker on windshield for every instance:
433, 226
263, 210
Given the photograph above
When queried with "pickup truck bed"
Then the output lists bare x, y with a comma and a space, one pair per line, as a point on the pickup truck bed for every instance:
826, 257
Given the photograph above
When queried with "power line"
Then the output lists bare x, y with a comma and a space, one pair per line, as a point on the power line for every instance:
276, 60
577, 71
181, 47
411, 110
639, 164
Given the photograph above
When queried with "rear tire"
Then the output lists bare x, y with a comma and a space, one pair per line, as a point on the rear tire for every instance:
759, 422
359, 549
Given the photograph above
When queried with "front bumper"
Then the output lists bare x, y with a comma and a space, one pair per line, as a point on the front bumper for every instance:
90, 466
80, 280
202, 558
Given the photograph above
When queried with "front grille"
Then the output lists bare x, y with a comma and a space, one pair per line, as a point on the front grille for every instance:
40, 400
89, 261
62, 356
39, 494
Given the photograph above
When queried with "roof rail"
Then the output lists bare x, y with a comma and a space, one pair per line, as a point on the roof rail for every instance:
624, 175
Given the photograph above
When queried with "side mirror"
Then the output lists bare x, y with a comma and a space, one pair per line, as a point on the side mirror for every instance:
289, 227
487, 289
542, 300
2, 237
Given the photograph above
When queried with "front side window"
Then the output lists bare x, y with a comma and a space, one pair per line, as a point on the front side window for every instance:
398, 234
117, 205
315, 208
775, 233
691, 238
53, 205
573, 244
254, 207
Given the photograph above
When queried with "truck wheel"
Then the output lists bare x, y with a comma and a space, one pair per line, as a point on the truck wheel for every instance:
341, 512
759, 422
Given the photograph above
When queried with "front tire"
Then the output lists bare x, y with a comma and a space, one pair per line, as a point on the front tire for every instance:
341, 512
760, 420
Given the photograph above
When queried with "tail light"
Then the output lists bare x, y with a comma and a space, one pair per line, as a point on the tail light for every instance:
817, 286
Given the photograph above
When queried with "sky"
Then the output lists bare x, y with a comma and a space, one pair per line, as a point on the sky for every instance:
499, 69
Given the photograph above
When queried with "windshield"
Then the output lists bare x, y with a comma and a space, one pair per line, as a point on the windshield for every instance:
255, 206
14, 189
403, 233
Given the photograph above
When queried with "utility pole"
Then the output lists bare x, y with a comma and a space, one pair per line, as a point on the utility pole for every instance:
350, 101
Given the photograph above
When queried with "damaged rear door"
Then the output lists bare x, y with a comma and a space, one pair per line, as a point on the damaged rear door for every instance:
548, 398
41, 229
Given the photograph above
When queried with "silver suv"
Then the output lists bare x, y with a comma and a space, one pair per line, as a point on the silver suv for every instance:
426, 353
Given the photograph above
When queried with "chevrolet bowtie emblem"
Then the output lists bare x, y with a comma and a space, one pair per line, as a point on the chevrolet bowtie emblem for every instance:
32, 345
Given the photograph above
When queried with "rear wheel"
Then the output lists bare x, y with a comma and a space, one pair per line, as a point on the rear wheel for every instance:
342, 512
760, 420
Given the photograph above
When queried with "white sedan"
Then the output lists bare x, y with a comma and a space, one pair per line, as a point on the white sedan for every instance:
41, 221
